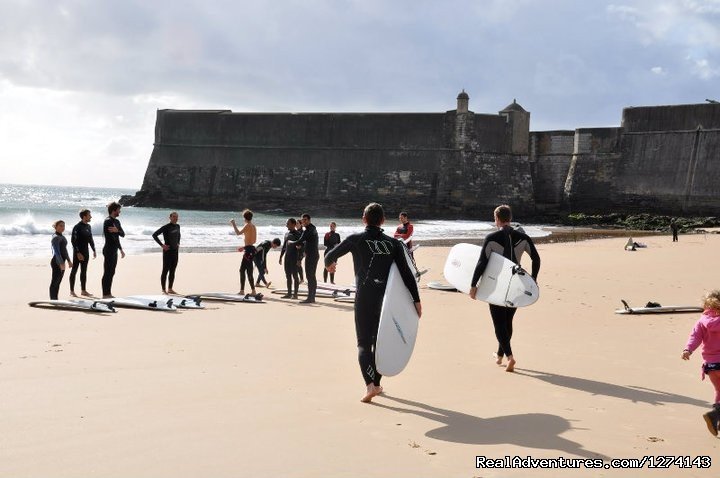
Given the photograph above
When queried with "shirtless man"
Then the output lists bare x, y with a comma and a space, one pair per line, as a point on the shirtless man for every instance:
246, 265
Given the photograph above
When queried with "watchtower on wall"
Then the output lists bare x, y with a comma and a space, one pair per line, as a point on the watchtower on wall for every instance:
519, 131
463, 121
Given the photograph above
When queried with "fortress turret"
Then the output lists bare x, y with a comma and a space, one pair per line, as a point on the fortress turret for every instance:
519, 121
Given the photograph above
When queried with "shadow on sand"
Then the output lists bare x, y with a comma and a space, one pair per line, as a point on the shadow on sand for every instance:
529, 430
632, 393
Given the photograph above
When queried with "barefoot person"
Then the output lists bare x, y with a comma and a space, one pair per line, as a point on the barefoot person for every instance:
511, 244
291, 260
309, 242
330, 240
405, 231
82, 241
707, 332
60, 256
171, 248
246, 265
261, 259
113, 231
373, 254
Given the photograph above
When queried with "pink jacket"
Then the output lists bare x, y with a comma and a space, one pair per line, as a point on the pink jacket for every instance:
706, 332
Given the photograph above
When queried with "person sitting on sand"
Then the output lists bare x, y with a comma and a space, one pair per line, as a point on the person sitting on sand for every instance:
707, 332
373, 255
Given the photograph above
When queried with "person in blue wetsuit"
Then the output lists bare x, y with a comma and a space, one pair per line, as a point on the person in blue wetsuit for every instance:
60, 256
373, 254
511, 244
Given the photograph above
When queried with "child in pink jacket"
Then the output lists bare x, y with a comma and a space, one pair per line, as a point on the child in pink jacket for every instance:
707, 333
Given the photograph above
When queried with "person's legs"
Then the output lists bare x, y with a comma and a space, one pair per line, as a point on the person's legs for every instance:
83, 275
712, 418
172, 266
311, 274
73, 273
109, 265
367, 318
56, 279
165, 270
502, 322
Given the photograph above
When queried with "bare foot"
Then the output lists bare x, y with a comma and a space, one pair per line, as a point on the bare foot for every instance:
372, 392
108, 296
73, 294
86, 293
268, 284
510, 365
170, 291
242, 292
498, 358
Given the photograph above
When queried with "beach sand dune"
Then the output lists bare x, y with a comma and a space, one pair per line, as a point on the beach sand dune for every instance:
274, 389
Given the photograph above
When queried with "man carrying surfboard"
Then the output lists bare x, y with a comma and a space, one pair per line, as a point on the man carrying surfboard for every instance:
373, 254
511, 244
405, 231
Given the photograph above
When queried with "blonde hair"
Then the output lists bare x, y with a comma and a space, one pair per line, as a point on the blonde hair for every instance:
711, 300
56, 223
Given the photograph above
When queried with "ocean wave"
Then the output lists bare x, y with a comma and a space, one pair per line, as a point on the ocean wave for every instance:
25, 225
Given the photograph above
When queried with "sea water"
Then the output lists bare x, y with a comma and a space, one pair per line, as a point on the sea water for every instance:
28, 212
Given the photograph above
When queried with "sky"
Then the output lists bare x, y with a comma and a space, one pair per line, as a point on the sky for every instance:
81, 80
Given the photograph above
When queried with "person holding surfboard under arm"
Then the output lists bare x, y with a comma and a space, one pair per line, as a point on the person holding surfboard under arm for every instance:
373, 255
511, 244
405, 231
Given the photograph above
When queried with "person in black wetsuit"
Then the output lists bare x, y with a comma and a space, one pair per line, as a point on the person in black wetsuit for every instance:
261, 259
171, 249
82, 241
331, 240
309, 240
301, 251
373, 254
60, 256
113, 231
511, 244
291, 259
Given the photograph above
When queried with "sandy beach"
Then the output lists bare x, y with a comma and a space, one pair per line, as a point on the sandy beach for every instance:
273, 389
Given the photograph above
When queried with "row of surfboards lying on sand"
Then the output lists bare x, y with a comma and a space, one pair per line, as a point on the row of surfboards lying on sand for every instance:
147, 302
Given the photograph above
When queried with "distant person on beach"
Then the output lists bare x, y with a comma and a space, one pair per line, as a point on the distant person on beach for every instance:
112, 231
674, 228
291, 259
301, 251
511, 244
246, 264
331, 240
405, 231
59, 257
309, 240
261, 259
372, 268
707, 332
171, 249
82, 241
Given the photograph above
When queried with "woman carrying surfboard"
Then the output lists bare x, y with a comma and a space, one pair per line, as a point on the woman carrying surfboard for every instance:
511, 244
373, 255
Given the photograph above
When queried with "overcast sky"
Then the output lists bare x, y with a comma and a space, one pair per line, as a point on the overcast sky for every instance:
81, 80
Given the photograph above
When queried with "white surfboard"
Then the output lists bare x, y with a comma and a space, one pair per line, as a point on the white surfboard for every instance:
399, 322
318, 294
503, 283
667, 309
140, 303
228, 297
437, 285
79, 304
180, 302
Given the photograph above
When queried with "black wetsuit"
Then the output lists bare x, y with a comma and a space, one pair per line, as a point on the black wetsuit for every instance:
261, 261
82, 241
110, 252
510, 244
309, 240
171, 237
331, 240
246, 266
291, 262
60, 255
373, 254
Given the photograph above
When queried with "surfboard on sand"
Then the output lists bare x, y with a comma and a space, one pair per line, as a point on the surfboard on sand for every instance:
318, 294
658, 309
226, 297
181, 302
438, 285
503, 283
138, 302
80, 304
398, 324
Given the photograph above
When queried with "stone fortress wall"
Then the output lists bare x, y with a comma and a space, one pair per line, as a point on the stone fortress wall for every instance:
457, 164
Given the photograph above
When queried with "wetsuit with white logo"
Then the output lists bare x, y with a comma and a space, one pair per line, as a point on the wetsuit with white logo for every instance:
373, 254
511, 244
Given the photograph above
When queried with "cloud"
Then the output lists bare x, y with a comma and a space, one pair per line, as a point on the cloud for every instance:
658, 70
